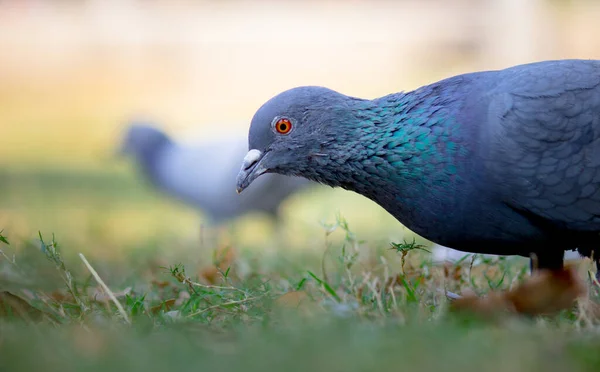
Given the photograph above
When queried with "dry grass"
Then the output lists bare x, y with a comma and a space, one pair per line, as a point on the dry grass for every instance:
380, 311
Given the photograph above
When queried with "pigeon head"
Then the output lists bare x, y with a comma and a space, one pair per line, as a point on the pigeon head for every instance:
142, 140
294, 131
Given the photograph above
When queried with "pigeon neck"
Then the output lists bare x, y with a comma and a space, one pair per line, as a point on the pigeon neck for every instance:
389, 147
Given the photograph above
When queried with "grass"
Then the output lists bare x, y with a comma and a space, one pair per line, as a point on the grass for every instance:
326, 300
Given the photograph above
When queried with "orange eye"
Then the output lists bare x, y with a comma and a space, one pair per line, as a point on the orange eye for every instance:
283, 126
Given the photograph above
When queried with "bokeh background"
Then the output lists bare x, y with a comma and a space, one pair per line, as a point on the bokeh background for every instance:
72, 73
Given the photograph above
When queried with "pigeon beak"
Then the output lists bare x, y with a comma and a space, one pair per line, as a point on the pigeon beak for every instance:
251, 169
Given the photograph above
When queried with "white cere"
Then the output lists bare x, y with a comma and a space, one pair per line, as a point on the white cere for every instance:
252, 156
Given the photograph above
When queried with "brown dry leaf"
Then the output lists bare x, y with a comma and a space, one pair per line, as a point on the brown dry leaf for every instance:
225, 256
453, 271
394, 281
297, 301
61, 296
545, 292
165, 305
162, 284
490, 306
11, 306
291, 299
210, 274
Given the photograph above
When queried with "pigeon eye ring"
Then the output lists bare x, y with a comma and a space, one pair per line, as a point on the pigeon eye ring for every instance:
282, 125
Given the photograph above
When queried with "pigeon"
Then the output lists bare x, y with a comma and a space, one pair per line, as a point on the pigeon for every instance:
502, 162
203, 175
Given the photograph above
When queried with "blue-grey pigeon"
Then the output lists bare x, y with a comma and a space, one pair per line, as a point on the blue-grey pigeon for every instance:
203, 175
501, 162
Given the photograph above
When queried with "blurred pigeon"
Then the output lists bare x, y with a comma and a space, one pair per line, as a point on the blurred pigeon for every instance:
203, 175
500, 162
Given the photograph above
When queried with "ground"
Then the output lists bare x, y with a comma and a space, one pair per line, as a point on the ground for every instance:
311, 298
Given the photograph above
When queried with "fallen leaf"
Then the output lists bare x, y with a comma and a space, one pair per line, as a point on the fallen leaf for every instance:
291, 299
162, 284
490, 306
453, 271
545, 292
211, 275
165, 305
298, 302
398, 280
548, 292
61, 296
14, 306
224, 258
